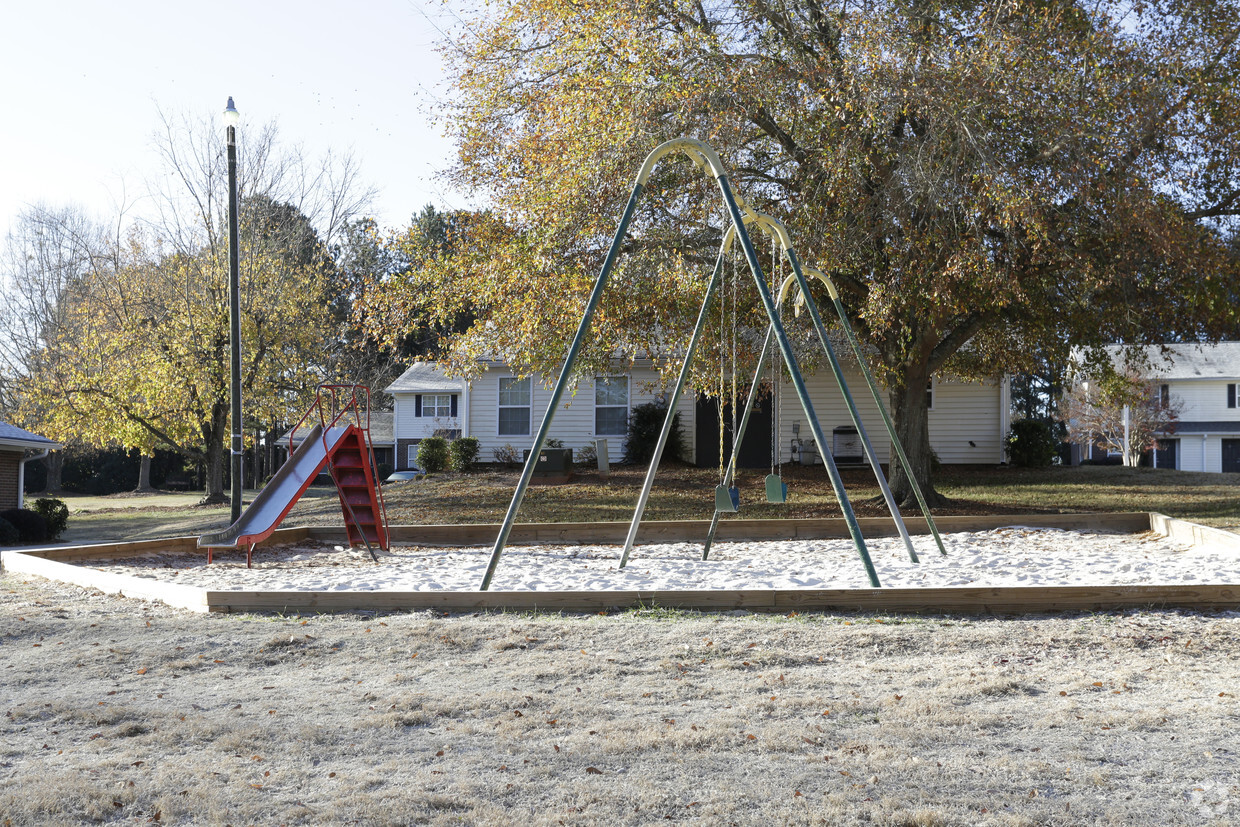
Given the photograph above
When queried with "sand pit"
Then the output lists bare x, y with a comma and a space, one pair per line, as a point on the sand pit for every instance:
1003, 557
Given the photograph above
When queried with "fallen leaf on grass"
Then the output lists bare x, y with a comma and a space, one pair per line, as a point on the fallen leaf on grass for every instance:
142, 671
593, 771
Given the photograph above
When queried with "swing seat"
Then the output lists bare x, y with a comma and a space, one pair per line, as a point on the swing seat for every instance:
727, 498
776, 489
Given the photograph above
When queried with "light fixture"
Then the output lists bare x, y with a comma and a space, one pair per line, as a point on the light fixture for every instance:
231, 116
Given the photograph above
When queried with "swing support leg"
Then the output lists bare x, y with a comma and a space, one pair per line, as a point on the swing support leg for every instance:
852, 406
882, 409
798, 382
558, 393
672, 404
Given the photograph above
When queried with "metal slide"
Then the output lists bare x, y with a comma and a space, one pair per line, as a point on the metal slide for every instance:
278, 497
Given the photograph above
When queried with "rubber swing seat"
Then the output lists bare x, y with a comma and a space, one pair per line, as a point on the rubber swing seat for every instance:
727, 498
776, 489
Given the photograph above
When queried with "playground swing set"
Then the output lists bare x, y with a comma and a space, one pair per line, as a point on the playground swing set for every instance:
727, 496
339, 439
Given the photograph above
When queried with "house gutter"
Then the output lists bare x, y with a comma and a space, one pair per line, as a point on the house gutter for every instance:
21, 473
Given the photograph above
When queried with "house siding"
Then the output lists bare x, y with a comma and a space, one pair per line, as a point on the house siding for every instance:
962, 412
10, 467
573, 423
1202, 401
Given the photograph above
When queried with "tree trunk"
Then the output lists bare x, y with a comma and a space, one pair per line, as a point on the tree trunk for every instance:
144, 475
55, 463
216, 455
908, 405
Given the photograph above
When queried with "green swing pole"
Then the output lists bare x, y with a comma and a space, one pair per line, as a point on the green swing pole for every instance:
778, 231
711, 287
853, 413
878, 401
528, 472
739, 436
798, 382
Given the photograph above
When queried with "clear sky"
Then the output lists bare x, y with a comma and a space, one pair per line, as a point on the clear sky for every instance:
83, 83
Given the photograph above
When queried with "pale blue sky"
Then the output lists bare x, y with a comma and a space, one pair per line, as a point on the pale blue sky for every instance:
83, 82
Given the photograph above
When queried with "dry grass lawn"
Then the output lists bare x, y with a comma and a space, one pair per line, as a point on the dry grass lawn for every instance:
124, 712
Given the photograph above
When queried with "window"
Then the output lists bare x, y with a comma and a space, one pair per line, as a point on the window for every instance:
435, 405
1164, 395
514, 406
930, 395
411, 460
1231, 395
611, 405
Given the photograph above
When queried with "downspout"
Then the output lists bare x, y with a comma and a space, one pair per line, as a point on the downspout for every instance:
1005, 414
21, 475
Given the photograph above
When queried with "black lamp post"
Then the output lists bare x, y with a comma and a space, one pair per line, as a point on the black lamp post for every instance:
231, 118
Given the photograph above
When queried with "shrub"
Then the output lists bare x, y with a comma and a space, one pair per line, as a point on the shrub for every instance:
506, 455
8, 534
1031, 444
55, 513
31, 528
433, 454
384, 470
463, 453
645, 424
586, 456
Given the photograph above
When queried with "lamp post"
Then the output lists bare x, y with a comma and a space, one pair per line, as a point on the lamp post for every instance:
231, 118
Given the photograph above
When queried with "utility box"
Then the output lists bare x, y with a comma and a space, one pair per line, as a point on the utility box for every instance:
846, 446
554, 466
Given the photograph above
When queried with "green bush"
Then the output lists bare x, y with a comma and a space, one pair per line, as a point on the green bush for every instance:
645, 424
462, 453
9, 535
1030, 444
31, 527
55, 513
433, 454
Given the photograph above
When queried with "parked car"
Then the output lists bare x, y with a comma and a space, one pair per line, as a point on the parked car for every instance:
406, 476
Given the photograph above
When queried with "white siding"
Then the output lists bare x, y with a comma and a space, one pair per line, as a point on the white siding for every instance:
962, 412
1203, 401
408, 426
573, 423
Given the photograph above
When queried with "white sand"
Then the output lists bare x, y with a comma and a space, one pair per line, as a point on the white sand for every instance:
1011, 556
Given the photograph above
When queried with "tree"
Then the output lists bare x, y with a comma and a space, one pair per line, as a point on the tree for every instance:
985, 180
141, 358
48, 252
1121, 411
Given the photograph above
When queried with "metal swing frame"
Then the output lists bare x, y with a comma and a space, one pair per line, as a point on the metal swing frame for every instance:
705, 159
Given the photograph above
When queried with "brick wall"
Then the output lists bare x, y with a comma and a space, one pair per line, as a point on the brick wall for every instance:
10, 462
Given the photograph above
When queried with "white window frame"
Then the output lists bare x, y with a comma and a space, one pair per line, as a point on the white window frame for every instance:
932, 388
628, 402
411, 460
500, 406
1232, 395
441, 411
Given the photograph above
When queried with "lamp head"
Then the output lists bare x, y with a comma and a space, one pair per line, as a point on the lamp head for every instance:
231, 116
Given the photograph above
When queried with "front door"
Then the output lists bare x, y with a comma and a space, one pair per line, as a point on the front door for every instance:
1231, 456
1167, 455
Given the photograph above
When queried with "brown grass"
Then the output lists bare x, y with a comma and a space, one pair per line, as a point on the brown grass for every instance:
633, 718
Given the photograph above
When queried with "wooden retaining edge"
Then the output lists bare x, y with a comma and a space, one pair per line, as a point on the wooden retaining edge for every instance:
955, 600
1215, 539
55, 563
680, 531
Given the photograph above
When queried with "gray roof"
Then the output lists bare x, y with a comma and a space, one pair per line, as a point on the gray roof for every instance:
11, 435
1191, 361
426, 377
1214, 427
